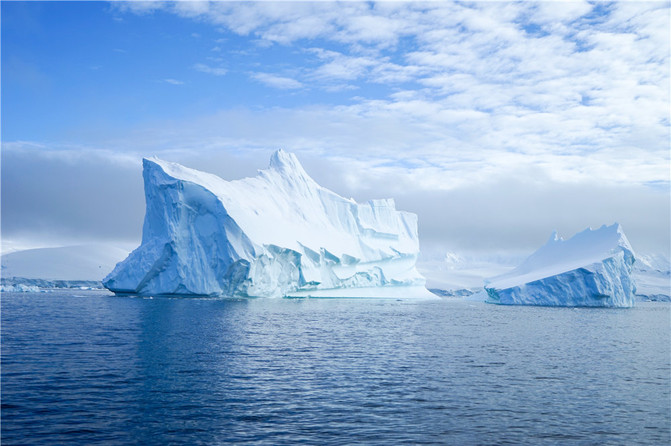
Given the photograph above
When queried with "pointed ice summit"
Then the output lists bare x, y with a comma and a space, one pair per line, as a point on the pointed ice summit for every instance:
276, 234
591, 269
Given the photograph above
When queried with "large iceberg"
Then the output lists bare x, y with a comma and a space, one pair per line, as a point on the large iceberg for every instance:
591, 269
273, 235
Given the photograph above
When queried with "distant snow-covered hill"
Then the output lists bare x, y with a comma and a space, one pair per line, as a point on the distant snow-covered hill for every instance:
81, 262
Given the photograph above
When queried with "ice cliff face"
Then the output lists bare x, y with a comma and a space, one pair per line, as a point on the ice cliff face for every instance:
591, 269
276, 234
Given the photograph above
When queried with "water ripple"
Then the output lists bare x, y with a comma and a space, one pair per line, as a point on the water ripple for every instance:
101, 369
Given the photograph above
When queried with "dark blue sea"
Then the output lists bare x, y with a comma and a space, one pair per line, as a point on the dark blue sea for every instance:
86, 367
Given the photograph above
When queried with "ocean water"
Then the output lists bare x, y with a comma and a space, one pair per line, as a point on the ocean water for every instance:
92, 368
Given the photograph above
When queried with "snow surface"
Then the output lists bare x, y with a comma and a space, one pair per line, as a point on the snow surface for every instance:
593, 268
276, 234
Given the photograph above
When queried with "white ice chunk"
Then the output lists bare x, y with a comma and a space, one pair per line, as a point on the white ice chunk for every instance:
593, 269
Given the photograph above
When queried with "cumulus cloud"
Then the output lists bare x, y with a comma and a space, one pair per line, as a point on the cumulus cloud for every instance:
553, 78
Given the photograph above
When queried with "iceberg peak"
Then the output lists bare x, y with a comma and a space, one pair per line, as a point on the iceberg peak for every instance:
284, 168
283, 161
287, 164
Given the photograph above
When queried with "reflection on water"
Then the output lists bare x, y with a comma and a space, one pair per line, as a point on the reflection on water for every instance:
119, 370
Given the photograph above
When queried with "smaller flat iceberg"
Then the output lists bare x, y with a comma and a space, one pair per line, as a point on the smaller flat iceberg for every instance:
591, 269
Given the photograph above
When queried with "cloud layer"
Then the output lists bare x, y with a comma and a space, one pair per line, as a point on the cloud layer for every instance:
576, 89
496, 122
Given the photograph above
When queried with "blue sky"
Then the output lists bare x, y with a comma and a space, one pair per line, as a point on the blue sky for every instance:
91, 64
496, 122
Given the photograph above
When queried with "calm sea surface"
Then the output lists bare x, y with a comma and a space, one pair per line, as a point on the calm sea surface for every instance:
88, 367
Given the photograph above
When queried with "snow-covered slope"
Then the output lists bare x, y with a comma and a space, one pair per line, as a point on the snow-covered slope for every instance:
276, 234
81, 262
593, 268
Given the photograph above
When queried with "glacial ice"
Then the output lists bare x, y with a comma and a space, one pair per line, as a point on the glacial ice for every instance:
273, 235
591, 269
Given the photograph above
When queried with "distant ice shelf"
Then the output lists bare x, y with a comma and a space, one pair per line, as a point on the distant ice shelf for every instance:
591, 269
25, 285
273, 235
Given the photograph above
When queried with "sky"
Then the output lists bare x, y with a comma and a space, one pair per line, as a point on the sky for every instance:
495, 122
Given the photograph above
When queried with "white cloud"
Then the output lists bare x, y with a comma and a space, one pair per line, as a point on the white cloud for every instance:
272, 80
577, 89
140, 7
203, 68
191, 8
472, 99
338, 66
485, 44
173, 81
514, 205
563, 11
